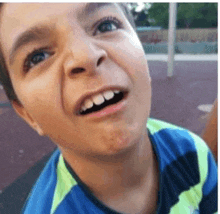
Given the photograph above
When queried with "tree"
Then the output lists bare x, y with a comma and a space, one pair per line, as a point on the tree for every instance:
197, 15
189, 15
160, 13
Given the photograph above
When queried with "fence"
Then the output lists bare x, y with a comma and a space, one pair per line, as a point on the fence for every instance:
182, 35
183, 47
190, 41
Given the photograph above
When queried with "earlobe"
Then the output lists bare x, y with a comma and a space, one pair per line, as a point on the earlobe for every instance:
23, 113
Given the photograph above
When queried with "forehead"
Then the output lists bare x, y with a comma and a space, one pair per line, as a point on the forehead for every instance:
18, 17
26, 13
19, 13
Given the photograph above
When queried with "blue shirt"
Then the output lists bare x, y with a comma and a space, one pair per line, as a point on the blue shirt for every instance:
188, 179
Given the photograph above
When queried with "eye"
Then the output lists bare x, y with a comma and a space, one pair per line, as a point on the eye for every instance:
36, 57
107, 24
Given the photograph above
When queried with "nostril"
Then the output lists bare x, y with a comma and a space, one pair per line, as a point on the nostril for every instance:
81, 69
100, 61
77, 70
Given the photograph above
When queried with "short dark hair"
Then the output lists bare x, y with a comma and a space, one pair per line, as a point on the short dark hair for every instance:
4, 74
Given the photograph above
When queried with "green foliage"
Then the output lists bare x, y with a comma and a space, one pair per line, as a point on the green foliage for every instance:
189, 15
140, 18
159, 12
197, 15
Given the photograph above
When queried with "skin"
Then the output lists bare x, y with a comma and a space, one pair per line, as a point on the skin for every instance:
114, 147
210, 134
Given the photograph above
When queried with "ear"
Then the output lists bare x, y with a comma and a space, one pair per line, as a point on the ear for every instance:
23, 113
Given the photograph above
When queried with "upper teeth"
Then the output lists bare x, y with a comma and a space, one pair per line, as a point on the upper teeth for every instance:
98, 99
108, 95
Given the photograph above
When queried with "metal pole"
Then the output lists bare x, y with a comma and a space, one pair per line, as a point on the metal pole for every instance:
171, 37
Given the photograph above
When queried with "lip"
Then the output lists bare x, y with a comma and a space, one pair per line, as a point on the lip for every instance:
92, 93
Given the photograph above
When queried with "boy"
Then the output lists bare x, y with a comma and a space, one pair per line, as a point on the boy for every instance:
77, 73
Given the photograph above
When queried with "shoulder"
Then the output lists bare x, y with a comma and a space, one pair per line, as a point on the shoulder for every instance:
180, 151
179, 140
41, 197
178, 144
56, 191
186, 167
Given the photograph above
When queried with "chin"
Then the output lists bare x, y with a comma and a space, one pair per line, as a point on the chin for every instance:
122, 140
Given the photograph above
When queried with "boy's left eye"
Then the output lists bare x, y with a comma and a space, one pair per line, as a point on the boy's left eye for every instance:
108, 24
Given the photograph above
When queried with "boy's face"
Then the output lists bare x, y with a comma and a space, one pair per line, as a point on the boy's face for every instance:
61, 57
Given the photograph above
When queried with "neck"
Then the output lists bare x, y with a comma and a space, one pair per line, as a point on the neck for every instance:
116, 173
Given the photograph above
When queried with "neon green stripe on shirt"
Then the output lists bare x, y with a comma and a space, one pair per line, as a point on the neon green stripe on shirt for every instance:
189, 200
65, 183
157, 125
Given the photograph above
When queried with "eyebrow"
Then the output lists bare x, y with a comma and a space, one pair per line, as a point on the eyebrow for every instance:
38, 33
92, 7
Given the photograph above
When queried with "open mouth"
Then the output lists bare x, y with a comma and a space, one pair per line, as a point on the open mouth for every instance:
101, 100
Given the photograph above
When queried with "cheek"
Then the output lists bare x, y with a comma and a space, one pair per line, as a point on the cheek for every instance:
40, 96
43, 100
131, 56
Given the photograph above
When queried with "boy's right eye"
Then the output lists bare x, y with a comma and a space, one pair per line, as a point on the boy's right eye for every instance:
36, 57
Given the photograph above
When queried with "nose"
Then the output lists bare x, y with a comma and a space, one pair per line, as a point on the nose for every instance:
84, 56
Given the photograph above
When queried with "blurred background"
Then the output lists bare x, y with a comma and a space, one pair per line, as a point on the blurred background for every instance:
196, 27
185, 98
